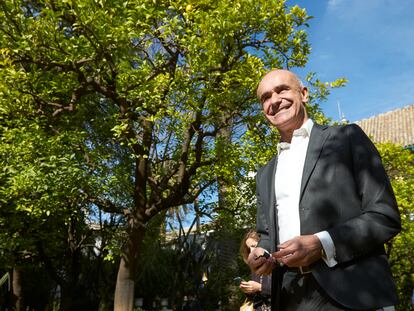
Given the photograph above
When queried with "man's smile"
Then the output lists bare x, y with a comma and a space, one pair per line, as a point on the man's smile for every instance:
275, 109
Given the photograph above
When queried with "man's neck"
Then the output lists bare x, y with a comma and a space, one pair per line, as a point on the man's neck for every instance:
286, 135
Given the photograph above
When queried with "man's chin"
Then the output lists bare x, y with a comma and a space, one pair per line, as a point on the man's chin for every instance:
281, 124
286, 123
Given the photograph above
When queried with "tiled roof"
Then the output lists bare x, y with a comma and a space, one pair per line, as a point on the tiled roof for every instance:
395, 126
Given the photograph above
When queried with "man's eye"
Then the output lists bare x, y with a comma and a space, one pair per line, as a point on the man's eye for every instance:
265, 98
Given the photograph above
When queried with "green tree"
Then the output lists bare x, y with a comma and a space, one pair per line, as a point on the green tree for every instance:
399, 164
43, 207
145, 87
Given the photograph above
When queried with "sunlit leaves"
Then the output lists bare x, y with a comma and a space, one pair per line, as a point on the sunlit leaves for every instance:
399, 164
137, 91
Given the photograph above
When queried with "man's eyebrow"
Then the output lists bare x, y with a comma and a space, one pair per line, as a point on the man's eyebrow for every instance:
276, 89
265, 95
281, 87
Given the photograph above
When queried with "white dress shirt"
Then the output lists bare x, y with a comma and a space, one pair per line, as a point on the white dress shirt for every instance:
288, 179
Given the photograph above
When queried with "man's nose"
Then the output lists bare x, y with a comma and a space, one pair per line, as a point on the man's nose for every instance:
274, 103
275, 98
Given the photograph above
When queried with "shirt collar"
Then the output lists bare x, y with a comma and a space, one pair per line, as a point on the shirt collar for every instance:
304, 131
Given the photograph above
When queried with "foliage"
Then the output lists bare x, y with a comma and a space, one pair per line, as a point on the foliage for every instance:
40, 181
195, 263
319, 91
112, 110
399, 164
43, 209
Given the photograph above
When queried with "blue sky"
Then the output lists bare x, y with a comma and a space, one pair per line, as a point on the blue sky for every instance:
369, 42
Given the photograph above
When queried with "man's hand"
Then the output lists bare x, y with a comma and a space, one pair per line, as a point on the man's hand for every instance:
259, 264
300, 251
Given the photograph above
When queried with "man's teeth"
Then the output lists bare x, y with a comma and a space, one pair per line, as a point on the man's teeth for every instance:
274, 111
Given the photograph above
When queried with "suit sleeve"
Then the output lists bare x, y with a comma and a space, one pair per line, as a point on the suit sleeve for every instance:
379, 219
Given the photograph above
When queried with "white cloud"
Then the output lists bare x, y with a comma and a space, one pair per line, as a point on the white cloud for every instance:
334, 3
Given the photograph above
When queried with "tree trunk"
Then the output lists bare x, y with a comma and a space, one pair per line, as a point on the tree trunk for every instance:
125, 282
224, 137
16, 290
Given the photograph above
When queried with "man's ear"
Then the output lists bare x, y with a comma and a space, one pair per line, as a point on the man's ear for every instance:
305, 94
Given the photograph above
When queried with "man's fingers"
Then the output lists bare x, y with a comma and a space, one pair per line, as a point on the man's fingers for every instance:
282, 253
285, 249
301, 250
291, 261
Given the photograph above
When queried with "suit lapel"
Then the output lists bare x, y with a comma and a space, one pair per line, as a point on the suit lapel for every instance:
273, 204
317, 139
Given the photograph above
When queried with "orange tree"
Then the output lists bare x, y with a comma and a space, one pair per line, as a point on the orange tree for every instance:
147, 85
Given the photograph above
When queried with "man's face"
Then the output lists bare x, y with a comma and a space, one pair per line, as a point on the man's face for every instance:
283, 99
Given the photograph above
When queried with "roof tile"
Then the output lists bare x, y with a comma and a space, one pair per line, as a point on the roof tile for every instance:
395, 126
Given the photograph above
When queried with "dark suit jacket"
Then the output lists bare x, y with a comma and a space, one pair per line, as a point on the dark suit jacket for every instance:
346, 192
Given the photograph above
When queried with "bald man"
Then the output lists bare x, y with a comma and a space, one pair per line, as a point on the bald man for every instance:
325, 210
